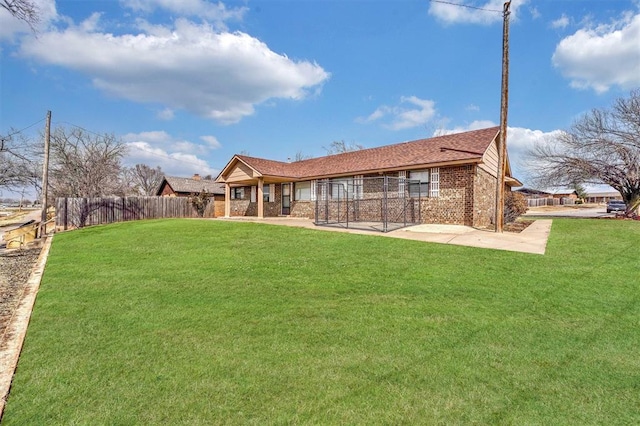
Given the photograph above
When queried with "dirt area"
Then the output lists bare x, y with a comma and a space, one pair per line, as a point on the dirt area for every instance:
517, 226
15, 269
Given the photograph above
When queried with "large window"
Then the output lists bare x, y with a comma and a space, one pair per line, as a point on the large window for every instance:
421, 188
302, 191
237, 193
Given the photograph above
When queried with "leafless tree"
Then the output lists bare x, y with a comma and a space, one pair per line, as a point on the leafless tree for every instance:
24, 10
603, 146
301, 156
86, 165
338, 147
145, 180
20, 163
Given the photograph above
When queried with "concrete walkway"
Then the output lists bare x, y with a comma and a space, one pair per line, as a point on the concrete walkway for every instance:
532, 240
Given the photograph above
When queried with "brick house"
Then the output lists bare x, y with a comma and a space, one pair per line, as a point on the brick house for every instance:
447, 179
173, 186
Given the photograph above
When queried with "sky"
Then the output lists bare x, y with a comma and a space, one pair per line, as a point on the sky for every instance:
186, 84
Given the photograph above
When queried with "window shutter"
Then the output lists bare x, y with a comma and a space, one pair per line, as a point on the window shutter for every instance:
254, 197
358, 183
272, 192
435, 182
402, 175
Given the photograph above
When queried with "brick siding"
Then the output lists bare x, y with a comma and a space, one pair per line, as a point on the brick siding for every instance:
484, 199
467, 197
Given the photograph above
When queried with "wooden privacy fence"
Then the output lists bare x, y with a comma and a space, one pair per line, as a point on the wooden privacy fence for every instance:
80, 212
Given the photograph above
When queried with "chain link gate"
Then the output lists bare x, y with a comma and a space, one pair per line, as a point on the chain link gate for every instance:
383, 203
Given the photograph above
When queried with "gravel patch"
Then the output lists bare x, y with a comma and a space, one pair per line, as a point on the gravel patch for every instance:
15, 269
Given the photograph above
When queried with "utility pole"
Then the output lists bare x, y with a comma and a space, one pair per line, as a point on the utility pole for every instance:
504, 103
45, 175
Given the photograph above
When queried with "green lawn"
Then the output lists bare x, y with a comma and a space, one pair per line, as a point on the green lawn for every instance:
211, 322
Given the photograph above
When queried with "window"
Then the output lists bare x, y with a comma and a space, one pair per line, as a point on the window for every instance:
420, 189
340, 188
266, 191
237, 193
302, 191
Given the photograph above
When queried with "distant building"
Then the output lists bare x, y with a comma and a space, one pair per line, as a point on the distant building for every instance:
173, 186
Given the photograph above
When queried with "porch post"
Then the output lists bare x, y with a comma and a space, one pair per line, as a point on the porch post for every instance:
261, 197
227, 200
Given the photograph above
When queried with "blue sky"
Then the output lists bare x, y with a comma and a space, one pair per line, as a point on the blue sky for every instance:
188, 83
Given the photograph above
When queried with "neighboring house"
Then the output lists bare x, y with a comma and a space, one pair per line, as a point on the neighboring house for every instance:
602, 197
564, 193
446, 179
533, 193
549, 197
172, 186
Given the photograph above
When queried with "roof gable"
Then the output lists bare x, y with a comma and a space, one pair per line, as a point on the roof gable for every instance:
193, 186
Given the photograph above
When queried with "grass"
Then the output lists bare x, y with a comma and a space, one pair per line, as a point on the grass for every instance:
201, 322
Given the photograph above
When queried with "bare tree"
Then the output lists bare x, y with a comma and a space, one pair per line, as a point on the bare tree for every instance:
24, 10
86, 165
301, 156
145, 180
20, 164
338, 147
603, 146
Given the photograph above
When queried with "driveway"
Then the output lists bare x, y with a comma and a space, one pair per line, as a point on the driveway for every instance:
570, 211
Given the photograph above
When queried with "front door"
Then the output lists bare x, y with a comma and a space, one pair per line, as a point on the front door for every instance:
286, 198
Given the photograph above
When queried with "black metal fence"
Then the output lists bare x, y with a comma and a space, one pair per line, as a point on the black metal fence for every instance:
80, 212
382, 203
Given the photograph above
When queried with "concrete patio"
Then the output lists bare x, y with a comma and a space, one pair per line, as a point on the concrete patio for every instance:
533, 239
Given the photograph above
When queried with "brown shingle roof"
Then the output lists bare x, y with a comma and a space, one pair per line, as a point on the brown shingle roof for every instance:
194, 186
456, 148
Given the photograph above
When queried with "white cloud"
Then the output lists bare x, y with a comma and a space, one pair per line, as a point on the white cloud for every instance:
474, 125
535, 13
472, 107
10, 26
399, 118
212, 141
475, 12
217, 75
603, 56
562, 22
166, 114
519, 141
176, 157
216, 12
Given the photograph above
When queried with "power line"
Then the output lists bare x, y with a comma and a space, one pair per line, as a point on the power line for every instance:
22, 130
466, 5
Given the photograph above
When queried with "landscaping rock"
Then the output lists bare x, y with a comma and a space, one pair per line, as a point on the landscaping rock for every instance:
15, 269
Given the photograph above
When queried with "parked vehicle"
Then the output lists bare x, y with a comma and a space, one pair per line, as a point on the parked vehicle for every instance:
616, 206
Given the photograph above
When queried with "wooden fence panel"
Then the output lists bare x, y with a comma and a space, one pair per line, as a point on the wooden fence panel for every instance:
80, 212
